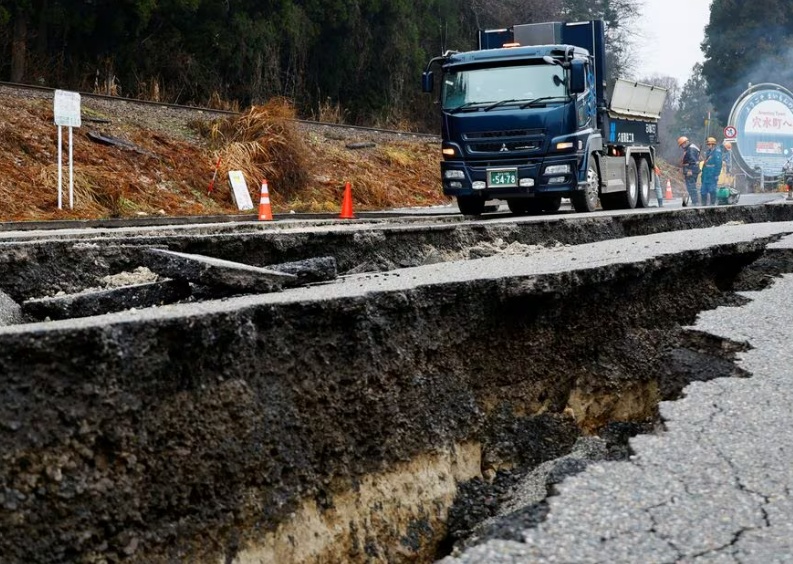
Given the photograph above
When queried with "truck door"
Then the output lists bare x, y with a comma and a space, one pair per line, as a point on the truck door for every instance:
586, 104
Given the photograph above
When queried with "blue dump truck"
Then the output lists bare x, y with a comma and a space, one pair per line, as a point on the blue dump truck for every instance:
528, 118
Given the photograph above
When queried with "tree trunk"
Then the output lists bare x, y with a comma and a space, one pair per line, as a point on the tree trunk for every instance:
19, 46
41, 35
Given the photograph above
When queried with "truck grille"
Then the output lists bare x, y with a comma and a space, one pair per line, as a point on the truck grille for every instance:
503, 147
513, 142
504, 134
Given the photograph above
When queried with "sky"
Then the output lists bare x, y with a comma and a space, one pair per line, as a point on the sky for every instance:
669, 36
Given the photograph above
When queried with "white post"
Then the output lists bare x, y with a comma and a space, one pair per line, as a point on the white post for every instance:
60, 167
71, 171
67, 113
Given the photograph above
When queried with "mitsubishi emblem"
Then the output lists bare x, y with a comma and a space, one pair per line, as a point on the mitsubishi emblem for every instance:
503, 148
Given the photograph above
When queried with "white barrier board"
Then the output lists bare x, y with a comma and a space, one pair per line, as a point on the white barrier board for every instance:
239, 190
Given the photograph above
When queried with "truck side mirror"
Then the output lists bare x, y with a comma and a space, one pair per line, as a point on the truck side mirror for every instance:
427, 81
577, 76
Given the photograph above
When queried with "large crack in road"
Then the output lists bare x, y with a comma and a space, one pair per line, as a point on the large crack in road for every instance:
392, 414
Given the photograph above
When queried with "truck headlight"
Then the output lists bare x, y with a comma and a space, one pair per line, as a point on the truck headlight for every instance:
455, 174
557, 169
565, 145
526, 182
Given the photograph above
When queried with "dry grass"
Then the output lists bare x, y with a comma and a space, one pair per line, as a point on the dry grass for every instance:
168, 172
330, 112
263, 143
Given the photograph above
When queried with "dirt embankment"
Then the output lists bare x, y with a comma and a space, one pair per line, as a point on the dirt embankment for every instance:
132, 159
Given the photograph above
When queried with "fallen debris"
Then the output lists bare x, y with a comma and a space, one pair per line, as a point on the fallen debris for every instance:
10, 311
101, 301
218, 273
362, 145
320, 269
117, 142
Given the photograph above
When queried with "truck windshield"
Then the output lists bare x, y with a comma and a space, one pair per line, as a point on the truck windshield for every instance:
520, 83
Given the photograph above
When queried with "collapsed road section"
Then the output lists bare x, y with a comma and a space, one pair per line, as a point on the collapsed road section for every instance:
714, 486
353, 418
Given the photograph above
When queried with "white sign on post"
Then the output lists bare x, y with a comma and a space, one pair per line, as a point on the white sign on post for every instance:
239, 190
67, 113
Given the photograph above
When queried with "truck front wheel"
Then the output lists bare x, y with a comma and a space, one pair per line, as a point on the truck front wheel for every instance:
471, 205
586, 200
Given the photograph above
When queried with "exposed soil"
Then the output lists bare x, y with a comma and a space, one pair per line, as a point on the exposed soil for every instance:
163, 161
144, 442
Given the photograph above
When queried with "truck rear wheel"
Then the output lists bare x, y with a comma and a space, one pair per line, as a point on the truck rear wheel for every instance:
471, 205
627, 199
644, 185
586, 200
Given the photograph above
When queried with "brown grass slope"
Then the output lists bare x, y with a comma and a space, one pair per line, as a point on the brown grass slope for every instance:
165, 166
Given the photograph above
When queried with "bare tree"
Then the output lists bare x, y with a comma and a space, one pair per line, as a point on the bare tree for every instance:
667, 132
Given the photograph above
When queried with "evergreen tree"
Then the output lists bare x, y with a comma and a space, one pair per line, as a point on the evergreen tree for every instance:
696, 116
747, 42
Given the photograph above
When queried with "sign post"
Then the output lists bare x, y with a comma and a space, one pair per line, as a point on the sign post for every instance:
67, 113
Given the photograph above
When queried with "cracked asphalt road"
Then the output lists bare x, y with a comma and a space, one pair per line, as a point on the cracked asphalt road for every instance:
714, 486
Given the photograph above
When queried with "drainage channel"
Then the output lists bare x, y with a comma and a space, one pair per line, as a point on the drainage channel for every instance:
379, 416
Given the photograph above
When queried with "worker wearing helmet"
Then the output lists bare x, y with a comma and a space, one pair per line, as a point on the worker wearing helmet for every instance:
726, 155
711, 169
690, 164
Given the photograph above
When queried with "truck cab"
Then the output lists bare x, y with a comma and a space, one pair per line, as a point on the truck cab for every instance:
524, 121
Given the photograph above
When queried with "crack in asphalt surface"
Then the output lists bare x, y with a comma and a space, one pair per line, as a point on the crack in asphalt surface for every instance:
713, 486
136, 413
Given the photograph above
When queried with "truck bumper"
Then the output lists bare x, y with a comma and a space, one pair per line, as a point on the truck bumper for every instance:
462, 179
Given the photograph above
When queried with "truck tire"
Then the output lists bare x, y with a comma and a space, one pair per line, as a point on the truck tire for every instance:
643, 200
627, 199
471, 205
587, 200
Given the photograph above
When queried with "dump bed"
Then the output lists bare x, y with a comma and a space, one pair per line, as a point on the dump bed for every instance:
633, 113
636, 100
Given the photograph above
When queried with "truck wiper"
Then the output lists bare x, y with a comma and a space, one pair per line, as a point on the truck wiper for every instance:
540, 101
464, 106
503, 102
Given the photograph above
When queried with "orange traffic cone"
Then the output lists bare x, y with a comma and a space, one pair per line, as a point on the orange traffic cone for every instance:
668, 195
265, 211
346, 203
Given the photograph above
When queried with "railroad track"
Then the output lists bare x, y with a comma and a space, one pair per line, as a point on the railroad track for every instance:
48, 92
